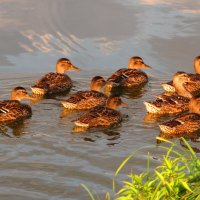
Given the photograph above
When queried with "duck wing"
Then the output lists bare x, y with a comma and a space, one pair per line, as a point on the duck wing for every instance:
186, 123
13, 110
99, 116
85, 100
53, 83
118, 76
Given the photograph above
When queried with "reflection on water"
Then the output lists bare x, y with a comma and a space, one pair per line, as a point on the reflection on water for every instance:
42, 157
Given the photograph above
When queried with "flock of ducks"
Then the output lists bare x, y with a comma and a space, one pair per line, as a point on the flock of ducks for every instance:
182, 95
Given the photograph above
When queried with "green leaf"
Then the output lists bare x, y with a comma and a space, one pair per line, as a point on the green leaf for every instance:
85, 187
186, 186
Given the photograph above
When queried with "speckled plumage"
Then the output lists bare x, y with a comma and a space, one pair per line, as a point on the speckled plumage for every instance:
165, 104
185, 123
85, 100
99, 116
102, 115
131, 77
191, 84
12, 110
55, 83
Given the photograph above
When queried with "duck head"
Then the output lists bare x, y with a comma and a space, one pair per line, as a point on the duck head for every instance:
194, 105
19, 93
114, 101
197, 64
179, 79
64, 64
97, 83
137, 63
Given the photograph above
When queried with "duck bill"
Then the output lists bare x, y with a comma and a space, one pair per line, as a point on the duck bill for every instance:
123, 104
74, 68
30, 97
146, 66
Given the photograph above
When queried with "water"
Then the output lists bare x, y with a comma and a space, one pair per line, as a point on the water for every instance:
43, 158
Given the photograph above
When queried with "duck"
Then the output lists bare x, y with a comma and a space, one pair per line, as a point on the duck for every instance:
83, 100
167, 104
13, 110
102, 116
129, 78
169, 86
187, 123
55, 83
187, 85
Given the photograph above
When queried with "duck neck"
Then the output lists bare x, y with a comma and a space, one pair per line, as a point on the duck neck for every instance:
180, 89
197, 68
95, 87
111, 105
60, 70
14, 97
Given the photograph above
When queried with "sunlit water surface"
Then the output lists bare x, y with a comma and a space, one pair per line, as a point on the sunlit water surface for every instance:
43, 157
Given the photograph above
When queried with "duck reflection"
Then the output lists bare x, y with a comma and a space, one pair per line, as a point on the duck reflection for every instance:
193, 137
92, 135
14, 129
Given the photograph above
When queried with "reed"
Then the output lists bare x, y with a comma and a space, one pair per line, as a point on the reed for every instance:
176, 177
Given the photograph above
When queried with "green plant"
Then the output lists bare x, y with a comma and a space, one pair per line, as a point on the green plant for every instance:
177, 177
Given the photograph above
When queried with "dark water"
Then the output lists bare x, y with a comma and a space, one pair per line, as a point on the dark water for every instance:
43, 158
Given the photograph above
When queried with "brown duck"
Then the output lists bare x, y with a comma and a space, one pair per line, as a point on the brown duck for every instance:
167, 104
13, 110
88, 99
102, 115
169, 86
54, 83
132, 77
185, 123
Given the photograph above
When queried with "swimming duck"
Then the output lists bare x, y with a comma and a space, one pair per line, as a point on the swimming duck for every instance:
131, 77
54, 83
88, 99
169, 87
185, 123
12, 110
167, 104
187, 85
102, 115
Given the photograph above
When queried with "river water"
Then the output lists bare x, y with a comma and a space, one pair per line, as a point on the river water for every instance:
43, 157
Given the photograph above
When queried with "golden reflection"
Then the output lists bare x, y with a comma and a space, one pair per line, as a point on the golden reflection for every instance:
79, 129
16, 127
192, 136
35, 99
66, 112
149, 117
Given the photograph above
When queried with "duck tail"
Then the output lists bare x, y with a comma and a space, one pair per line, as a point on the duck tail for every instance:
151, 108
168, 88
166, 129
81, 124
68, 105
38, 91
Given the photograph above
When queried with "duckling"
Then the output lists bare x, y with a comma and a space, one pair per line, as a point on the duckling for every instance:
54, 83
169, 87
166, 104
185, 123
131, 77
105, 116
187, 85
13, 110
88, 99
